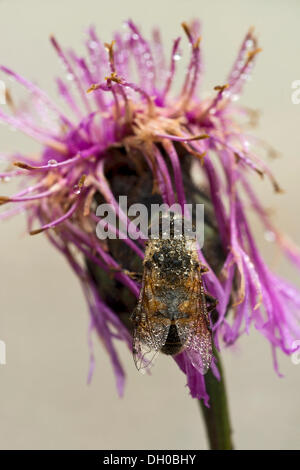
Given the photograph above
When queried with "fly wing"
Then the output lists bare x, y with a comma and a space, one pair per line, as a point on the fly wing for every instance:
143, 352
193, 329
199, 347
150, 331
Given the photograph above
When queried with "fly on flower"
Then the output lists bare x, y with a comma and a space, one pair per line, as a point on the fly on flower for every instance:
172, 311
133, 135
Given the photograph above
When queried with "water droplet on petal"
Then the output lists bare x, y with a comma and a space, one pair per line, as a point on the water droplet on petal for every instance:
235, 97
6, 179
52, 163
93, 44
249, 43
135, 37
177, 56
70, 76
270, 236
76, 189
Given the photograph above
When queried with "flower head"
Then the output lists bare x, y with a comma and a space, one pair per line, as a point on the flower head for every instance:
126, 133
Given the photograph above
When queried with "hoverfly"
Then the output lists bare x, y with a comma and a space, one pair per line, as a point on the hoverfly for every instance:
172, 311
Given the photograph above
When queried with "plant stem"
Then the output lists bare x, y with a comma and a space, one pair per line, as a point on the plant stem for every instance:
217, 419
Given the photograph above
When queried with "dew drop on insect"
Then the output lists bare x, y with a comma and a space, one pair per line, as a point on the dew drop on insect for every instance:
76, 189
52, 162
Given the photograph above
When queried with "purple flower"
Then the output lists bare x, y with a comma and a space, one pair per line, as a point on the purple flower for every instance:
129, 107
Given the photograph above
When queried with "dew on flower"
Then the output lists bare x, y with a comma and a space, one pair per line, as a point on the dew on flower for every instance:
6, 179
249, 44
269, 236
129, 133
76, 189
235, 97
177, 56
93, 44
52, 162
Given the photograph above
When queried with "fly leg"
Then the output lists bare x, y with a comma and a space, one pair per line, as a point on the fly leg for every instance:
203, 269
211, 308
133, 275
212, 302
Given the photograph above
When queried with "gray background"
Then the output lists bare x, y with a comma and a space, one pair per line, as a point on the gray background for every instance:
44, 399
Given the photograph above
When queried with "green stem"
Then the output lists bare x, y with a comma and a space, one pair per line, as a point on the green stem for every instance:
217, 419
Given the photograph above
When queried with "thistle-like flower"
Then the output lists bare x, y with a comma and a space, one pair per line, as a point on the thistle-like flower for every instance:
132, 136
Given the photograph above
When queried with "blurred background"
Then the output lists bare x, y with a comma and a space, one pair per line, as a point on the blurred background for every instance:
45, 402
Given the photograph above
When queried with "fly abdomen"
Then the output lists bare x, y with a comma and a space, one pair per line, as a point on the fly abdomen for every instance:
173, 344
